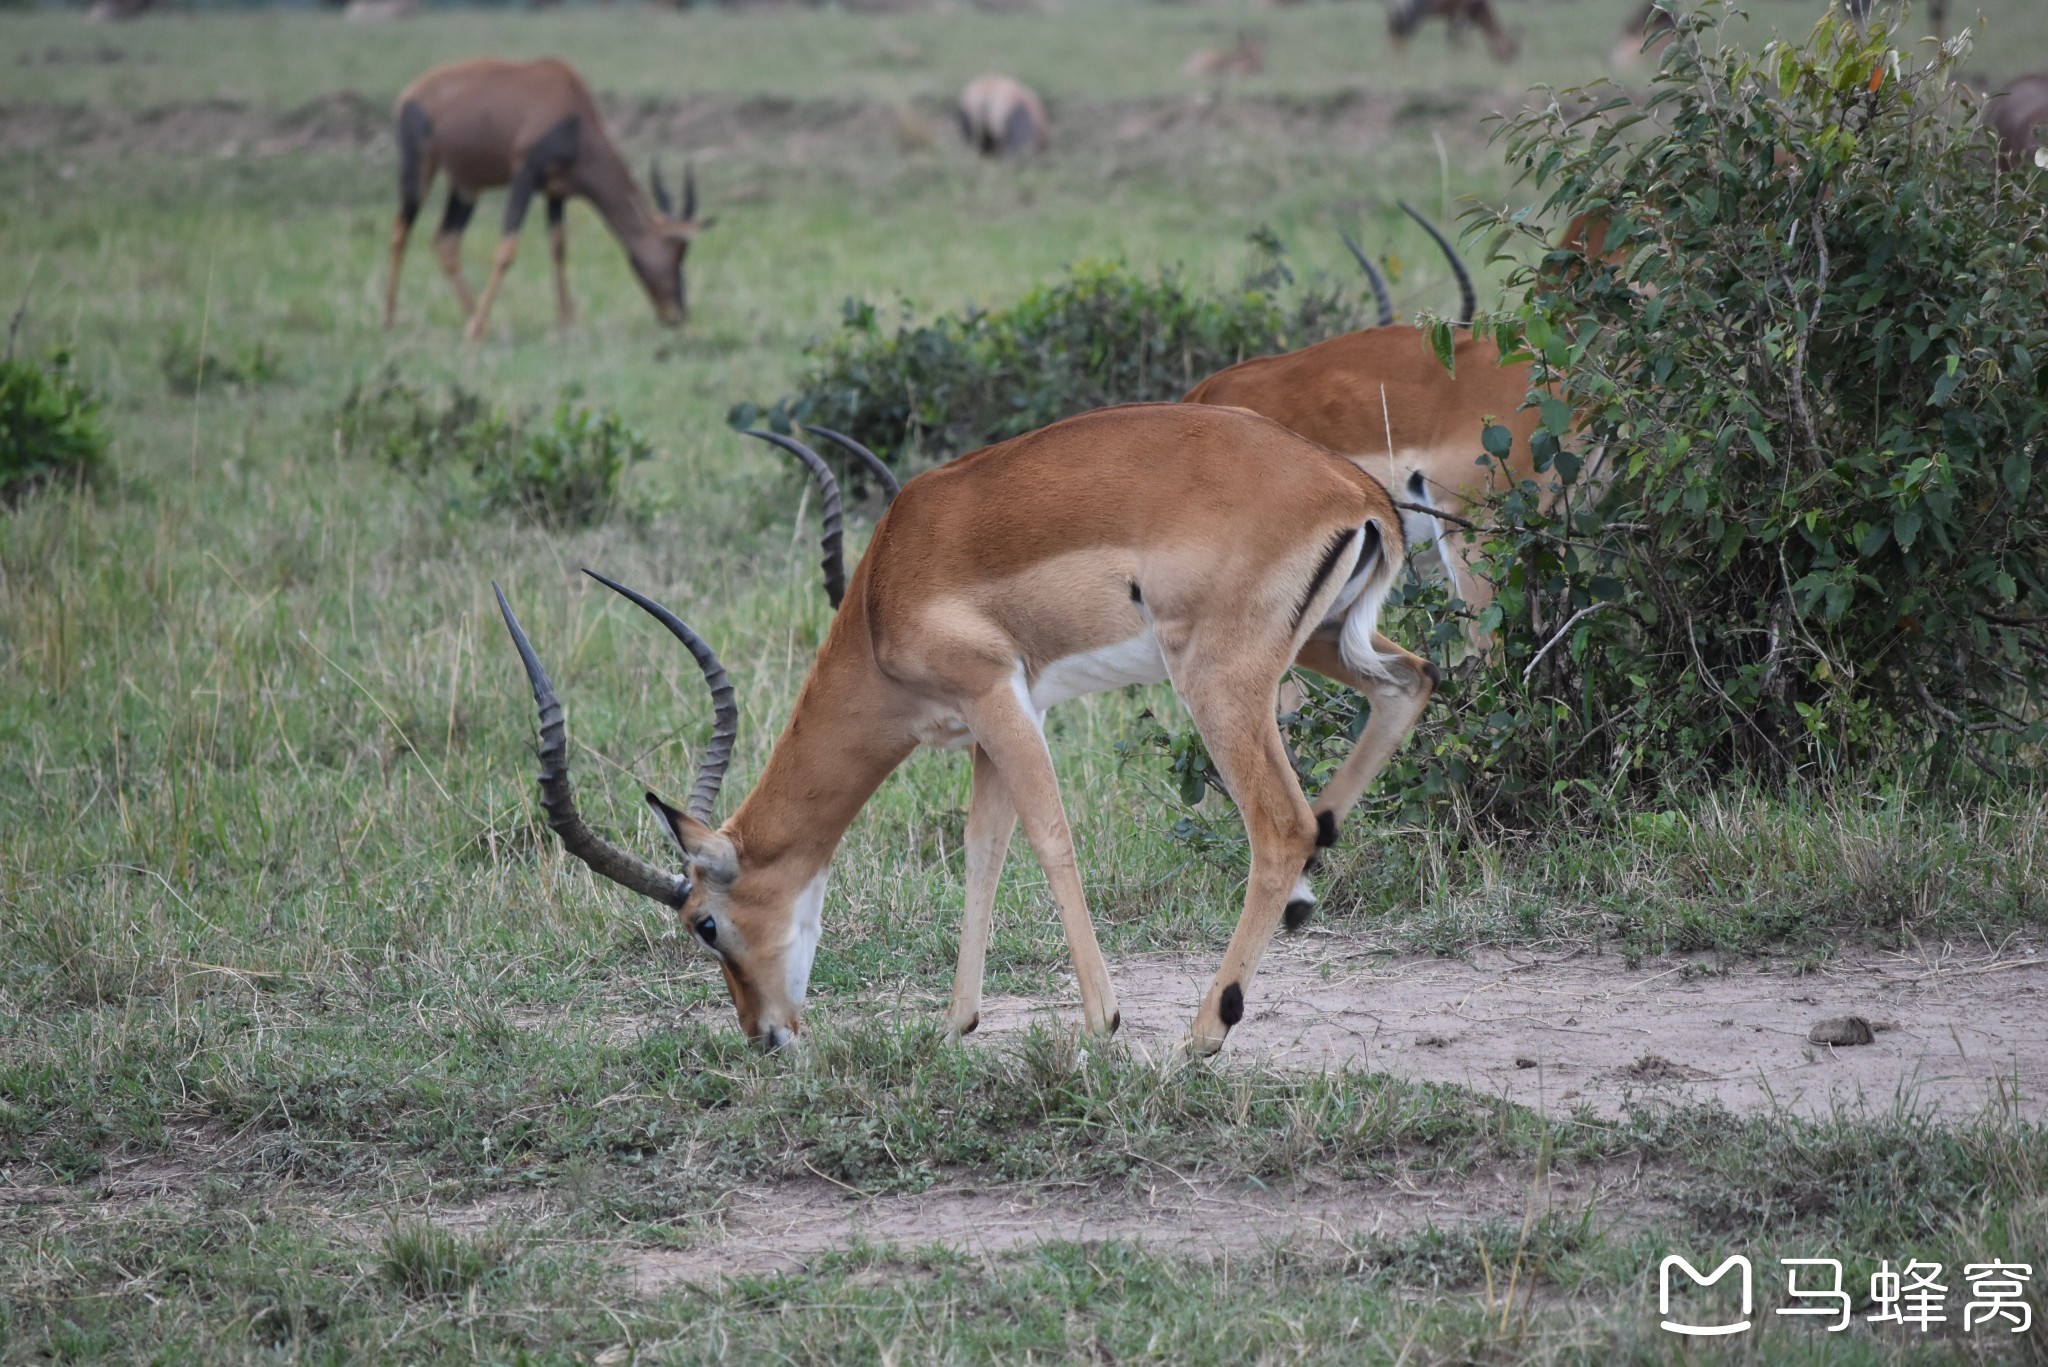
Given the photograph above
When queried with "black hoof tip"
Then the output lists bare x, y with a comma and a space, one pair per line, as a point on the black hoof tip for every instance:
1326, 830
1231, 1008
1297, 914
973, 1024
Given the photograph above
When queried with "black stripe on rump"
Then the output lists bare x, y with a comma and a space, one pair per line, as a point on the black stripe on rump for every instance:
1338, 544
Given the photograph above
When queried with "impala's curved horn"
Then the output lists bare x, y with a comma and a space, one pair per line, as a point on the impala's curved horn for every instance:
689, 191
1468, 301
559, 801
877, 467
659, 187
725, 724
1372, 278
834, 561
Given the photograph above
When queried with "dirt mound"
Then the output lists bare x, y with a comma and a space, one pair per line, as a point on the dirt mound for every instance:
1585, 1029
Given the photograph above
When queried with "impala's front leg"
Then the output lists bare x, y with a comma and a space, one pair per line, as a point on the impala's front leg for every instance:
991, 817
1008, 731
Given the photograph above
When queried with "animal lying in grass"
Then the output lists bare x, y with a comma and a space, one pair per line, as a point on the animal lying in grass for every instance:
531, 126
1208, 546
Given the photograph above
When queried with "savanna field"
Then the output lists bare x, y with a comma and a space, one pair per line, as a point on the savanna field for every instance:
314, 1046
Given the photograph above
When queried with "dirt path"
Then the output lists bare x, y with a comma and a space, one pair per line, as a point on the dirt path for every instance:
1557, 1031
783, 1227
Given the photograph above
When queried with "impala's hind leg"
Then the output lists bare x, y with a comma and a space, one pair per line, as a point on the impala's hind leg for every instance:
1233, 709
991, 818
1397, 703
1008, 730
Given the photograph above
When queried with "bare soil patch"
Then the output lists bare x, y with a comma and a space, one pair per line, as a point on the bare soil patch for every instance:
785, 1226
1556, 1031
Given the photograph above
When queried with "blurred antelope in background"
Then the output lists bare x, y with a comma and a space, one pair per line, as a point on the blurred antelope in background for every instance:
1405, 16
1245, 57
2015, 114
1206, 546
1001, 117
534, 127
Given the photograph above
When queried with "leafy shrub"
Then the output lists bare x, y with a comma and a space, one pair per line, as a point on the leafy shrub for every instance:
564, 469
189, 368
1103, 334
49, 426
1816, 382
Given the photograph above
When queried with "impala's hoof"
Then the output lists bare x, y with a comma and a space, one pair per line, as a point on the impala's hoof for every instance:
959, 1030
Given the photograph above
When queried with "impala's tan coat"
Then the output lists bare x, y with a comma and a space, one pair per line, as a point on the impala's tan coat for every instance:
1207, 546
531, 126
1381, 398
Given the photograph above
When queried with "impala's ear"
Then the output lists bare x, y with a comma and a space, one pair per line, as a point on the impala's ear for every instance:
709, 853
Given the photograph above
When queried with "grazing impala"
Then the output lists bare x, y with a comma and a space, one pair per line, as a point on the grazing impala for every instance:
1206, 546
534, 127
1381, 398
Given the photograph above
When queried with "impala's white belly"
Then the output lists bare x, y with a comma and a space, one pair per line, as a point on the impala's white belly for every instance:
1135, 661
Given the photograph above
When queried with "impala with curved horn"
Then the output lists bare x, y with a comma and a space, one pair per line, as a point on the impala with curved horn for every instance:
1207, 546
1381, 398
831, 505
534, 127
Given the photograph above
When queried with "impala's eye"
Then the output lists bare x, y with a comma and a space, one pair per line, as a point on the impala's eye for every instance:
707, 930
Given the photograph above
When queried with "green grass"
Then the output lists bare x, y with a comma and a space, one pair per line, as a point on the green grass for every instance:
277, 910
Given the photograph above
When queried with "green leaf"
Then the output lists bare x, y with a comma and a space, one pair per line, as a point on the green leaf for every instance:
1906, 526
2018, 471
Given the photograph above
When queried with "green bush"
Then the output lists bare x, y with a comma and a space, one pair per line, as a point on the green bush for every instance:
1815, 381
49, 426
189, 368
1102, 334
563, 469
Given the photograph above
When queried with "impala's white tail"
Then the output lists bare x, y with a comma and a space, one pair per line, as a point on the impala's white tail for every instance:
1364, 593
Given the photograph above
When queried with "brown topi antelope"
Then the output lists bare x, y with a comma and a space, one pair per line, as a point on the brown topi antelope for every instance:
1002, 117
1206, 546
1245, 57
1380, 398
1405, 16
534, 127
2015, 114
